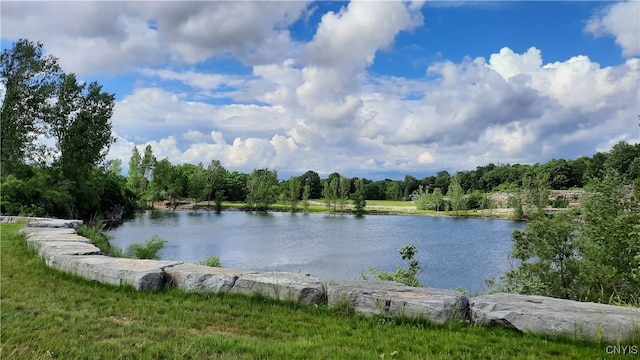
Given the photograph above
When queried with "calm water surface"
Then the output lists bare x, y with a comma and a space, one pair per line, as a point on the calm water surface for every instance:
453, 252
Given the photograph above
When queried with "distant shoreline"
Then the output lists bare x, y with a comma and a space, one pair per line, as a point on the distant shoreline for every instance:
499, 214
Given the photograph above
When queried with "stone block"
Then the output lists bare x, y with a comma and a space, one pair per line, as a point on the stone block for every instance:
141, 274
54, 223
49, 249
388, 298
56, 236
549, 316
33, 231
297, 287
201, 278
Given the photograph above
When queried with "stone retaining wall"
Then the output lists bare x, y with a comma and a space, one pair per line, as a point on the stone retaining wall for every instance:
61, 248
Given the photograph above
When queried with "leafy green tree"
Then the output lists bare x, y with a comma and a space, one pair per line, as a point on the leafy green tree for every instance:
218, 199
442, 180
456, 195
393, 190
236, 186
306, 193
547, 250
559, 175
147, 164
116, 201
197, 183
478, 200
359, 202
217, 176
312, 179
596, 166
162, 180
262, 187
438, 199
136, 172
375, 189
536, 193
40, 100
80, 123
621, 157
295, 185
331, 192
578, 169
515, 202
37, 195
29, 79
148, 161
344, 187
411, 184
423, 202
114, 166
634, 169
610, 240
594, 257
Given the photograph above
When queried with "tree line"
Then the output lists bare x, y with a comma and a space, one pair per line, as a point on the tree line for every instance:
153, 180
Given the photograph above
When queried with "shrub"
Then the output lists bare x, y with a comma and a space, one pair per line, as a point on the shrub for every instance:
407, 276
211, 260
560, 203
148, 250
100, 238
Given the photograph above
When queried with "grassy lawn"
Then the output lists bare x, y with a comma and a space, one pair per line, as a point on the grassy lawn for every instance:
390, 203
48, 314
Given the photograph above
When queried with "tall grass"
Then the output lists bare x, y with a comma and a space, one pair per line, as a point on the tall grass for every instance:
212, 260
148, 250
100, 238
50, 315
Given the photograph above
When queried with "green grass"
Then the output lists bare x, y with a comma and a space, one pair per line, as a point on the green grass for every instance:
48, 314
391, 203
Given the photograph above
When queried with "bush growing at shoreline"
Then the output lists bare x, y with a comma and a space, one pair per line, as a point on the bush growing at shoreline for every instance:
212, 260
100, 238
148, 250
408, 276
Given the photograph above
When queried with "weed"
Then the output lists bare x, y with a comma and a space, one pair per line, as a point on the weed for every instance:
100, 238
148, 250
211, 260
407, 276
345, 307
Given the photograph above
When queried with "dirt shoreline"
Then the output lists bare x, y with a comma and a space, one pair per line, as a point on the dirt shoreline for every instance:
493, 214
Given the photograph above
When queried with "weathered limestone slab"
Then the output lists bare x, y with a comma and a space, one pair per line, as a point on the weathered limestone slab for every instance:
49, 249
281, 285
15, 219
549, 316
54, 223
34, 231
390, 298
141, 274
55, 236
201, 278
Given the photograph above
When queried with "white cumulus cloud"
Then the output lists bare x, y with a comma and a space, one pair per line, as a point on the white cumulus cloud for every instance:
621, 20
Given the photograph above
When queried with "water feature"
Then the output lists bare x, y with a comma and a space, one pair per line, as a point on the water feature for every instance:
453, 252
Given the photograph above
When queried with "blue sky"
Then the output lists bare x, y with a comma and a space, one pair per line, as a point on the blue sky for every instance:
375, 89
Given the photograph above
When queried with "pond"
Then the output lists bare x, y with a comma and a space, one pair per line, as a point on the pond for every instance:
452, 251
